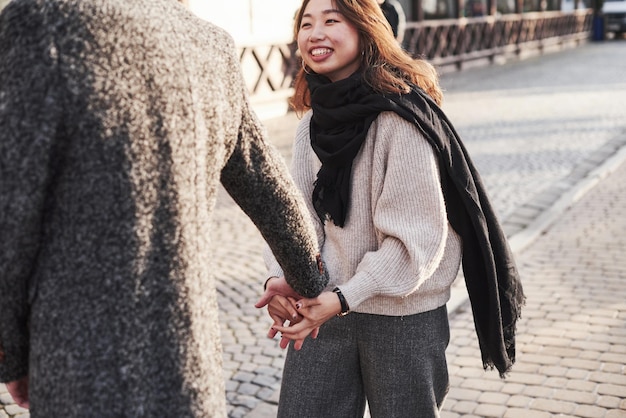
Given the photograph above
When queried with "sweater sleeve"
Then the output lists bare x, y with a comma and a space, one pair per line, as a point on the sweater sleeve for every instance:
409, 215
29, 114
257, 178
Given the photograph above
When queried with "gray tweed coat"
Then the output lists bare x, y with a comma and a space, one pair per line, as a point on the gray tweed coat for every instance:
118, 120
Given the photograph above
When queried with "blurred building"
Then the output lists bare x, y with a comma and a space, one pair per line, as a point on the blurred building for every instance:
250, 22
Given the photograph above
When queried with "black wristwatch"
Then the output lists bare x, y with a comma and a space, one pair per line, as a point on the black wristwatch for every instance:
345, 309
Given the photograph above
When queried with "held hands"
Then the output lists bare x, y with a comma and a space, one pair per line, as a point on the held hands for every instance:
305, 316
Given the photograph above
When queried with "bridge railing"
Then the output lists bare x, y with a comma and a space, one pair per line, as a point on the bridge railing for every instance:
269, 69
455, 41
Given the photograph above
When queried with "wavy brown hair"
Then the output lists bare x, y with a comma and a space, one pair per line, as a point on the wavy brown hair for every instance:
386, 67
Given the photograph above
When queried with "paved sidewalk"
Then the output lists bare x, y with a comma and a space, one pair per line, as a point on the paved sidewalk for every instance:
572, 336
551, 151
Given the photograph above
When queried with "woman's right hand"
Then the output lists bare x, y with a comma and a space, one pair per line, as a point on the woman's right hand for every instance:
313, 313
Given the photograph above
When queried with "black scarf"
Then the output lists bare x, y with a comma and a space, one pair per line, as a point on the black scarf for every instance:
342, 114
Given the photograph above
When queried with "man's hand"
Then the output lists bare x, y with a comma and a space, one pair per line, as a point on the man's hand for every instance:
276, 286
18, 389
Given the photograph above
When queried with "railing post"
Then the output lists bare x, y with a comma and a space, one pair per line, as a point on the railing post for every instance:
460, 7
418, 10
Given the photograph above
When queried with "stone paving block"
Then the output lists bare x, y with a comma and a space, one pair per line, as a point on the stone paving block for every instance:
591, 355
618, 348
231, 385
249, 389
554, 371
612, 390
589, 411
613, 378
613, 367
611, 402
446, 414
482, 384
243, 376
552, 341
555, 382
525, 413
537, 391
586, 398
264, 380
464, 407
581, 385
15, 410
519, 401
541, 359
464, 394
5, 398
493, 398
553, 406
559, 318
264, 411
562, 351
265, 393
578, 363
487, 410
526, 378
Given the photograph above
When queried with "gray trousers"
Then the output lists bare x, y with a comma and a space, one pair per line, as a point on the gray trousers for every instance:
397, 363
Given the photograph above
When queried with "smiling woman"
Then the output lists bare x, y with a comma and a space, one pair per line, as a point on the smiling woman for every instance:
394, 196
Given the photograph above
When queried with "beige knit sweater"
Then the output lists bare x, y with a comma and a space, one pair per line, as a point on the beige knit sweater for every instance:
397, 254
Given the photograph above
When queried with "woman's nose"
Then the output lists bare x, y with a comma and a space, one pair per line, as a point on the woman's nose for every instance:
317, 33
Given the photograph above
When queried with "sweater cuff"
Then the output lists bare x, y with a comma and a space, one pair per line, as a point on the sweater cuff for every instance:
275, 272
358, 289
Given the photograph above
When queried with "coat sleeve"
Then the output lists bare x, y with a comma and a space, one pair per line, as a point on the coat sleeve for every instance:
257, 178
28, 123
304, 166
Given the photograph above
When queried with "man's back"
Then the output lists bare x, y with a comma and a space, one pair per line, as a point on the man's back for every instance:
120, 136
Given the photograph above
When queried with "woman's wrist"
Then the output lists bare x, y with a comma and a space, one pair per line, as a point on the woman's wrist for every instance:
345, 309
268, 280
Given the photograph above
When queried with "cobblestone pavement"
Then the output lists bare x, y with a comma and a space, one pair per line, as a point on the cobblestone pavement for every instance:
572, 336
543, 132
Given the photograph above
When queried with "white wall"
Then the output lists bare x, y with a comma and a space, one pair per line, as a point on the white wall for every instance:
250, 21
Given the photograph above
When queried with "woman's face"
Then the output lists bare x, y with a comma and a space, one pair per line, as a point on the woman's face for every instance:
328, 43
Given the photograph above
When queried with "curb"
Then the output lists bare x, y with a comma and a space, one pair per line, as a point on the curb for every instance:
539, 225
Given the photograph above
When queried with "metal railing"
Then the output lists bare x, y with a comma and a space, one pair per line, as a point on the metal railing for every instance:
269, 69
455, 41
